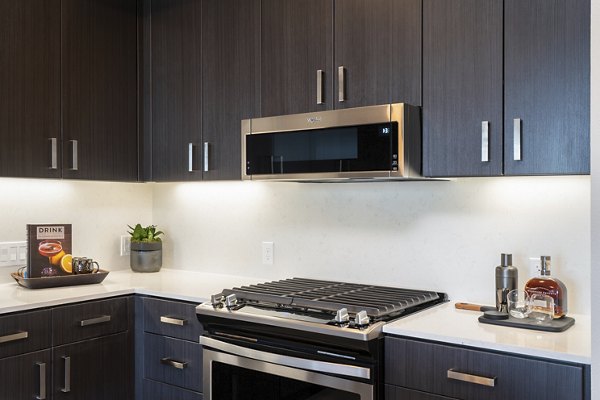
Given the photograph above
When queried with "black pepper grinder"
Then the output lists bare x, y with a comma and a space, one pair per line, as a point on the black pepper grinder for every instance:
507, 278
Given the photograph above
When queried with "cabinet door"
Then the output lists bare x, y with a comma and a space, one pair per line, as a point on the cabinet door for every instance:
547, 87
26, 376
399, 393
296, 43
462, 87
378, 50
30, 88
176, 73
99, 89
230, 76
96, 369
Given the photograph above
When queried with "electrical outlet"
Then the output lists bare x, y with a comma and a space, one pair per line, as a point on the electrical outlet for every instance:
13, 254
267, 253
125, 245
535, 266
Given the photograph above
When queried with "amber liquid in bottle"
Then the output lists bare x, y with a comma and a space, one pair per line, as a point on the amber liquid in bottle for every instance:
545, 284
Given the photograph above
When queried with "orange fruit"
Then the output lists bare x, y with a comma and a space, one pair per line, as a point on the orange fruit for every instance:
55, 259
66, 263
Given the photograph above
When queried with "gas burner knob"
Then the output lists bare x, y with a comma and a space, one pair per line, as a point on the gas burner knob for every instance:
341, 316
217, 300
230, 301
361, 319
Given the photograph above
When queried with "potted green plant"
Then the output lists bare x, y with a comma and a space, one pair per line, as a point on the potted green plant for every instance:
145, 249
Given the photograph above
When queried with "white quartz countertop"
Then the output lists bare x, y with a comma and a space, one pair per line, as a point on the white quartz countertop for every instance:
444, 323
170, 283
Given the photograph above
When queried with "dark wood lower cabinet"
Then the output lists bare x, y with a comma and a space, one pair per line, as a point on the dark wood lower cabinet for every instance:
161, 391
446, 370
96, 369
399, 393
26, 376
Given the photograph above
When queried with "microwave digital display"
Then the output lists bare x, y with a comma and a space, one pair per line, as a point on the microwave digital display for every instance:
341, 149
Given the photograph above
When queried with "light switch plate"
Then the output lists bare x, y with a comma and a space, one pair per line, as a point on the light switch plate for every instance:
13, 254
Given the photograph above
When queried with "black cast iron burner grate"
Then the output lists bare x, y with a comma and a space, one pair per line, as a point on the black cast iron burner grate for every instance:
377, 301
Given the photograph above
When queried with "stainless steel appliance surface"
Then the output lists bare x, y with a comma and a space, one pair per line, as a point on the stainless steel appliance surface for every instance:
380, 142
301, 339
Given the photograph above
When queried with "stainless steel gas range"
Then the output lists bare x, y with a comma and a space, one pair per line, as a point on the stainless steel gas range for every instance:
301, 339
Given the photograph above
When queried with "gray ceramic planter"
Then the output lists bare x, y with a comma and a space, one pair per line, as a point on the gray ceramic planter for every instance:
146, 256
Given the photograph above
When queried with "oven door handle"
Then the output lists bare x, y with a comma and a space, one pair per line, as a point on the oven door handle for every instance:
294, 362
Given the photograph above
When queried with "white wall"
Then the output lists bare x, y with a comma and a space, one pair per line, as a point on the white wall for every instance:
445, 236
595, 189
98, 211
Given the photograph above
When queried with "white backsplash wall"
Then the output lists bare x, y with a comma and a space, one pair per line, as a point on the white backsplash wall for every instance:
98, 211
444, 236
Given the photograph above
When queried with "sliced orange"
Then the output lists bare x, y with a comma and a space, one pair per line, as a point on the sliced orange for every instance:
55, 259
66, 263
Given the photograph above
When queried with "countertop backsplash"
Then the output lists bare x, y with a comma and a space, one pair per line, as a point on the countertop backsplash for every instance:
442, 235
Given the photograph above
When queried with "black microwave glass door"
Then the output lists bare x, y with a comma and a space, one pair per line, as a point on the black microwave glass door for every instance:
346, 149
235, 383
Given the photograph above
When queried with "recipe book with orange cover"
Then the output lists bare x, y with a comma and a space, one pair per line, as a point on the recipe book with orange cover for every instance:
47, 245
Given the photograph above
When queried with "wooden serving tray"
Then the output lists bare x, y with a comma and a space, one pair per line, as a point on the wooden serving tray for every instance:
57, 281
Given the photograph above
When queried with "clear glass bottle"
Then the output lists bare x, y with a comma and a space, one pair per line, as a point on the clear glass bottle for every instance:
550, 286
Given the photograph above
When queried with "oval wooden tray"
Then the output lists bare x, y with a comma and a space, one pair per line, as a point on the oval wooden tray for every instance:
57, 281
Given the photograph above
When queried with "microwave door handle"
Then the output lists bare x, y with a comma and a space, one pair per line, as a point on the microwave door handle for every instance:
273, 164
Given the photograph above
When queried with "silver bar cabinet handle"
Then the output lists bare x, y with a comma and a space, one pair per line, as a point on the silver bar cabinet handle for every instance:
341, 83
476, 379
14, 336
173, 363
190, 157
67, 387
53, 153
42, 367
517, 132
173, 321
74, 161
320, 86
206, 148
485, 141
94, 321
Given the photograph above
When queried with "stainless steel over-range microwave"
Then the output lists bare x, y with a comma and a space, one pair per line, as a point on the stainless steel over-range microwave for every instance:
366, 143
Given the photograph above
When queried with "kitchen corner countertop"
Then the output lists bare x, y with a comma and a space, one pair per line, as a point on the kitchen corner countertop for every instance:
170, 283
444, 323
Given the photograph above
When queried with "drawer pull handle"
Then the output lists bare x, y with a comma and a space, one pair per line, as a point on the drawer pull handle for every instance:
14, 336
42, 395
94, 321
173, 321
478, 380
173, 363
67, 387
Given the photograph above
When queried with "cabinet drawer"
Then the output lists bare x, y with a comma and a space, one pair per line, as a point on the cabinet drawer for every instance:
438, 369
173, 361
398, 393
89, 320
159, 391
25, 332
171, 318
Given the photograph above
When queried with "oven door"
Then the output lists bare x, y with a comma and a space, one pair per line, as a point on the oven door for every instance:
233, 372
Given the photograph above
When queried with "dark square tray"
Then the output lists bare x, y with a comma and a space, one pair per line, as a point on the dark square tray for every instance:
57, 281
556, 325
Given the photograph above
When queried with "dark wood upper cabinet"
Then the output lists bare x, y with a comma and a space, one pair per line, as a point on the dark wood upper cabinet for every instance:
378, 52
541, 49
462, 87
296, 56
230, 82
176, 88
99, 89
309, 48
30, 88
547, 87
